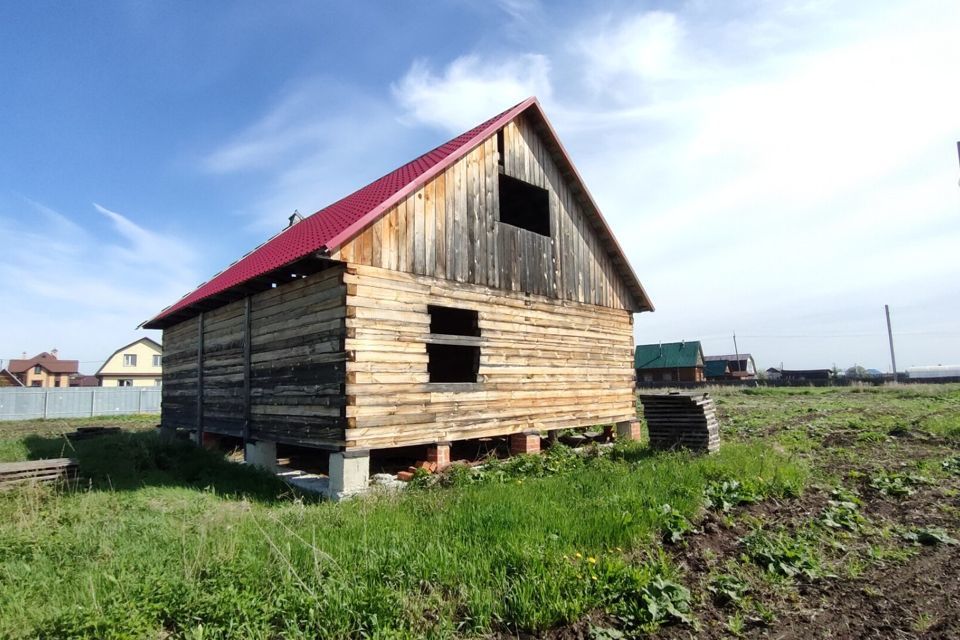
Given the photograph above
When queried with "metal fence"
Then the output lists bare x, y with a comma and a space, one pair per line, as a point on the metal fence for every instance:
80, 402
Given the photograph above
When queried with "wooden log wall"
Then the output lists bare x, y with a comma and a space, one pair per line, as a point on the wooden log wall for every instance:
179, 392
291, 390
450, 229
544, 363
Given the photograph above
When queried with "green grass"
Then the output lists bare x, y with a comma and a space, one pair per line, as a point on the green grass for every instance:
173, 538
168, 540
12, 432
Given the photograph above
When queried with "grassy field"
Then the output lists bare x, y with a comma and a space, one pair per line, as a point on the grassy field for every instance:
166, 540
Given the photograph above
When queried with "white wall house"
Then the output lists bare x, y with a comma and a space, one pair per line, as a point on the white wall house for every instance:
138, 364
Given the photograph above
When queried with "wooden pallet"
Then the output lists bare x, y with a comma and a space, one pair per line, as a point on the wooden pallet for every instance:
681, 420
37, 471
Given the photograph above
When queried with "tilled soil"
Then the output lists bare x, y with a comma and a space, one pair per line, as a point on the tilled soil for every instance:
917, 598
877, 584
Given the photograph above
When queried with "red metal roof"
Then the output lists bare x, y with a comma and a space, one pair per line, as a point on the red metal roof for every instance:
329, 228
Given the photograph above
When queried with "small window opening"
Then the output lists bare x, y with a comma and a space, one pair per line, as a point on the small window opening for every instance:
453, 322
500, 147
453, 362
524, 205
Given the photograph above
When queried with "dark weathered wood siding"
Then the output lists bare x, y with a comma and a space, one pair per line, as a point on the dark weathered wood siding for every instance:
450, 229
292, 387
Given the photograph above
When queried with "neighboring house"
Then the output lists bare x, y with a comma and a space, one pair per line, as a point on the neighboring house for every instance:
7, 379
716, 369
138, 364
669, 362
800, 376
81, 380
44, 370
474, 292
737, 367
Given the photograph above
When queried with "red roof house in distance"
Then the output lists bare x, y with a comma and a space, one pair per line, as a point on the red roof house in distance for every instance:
44, 370
476, 291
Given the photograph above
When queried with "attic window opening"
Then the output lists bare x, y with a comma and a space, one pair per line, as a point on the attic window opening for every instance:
448, 361
524, 205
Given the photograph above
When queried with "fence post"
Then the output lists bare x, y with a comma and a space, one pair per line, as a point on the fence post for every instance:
93, 399
46, 395
140, 401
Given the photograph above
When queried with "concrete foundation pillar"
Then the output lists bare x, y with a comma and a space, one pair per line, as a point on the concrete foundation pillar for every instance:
439, 454
628, 430
349, 473
526, 442
261, 454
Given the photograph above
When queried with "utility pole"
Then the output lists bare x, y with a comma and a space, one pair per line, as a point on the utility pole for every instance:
736, 351
893, 358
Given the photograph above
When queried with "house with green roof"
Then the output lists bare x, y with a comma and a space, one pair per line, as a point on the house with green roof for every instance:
669, 362
716, 369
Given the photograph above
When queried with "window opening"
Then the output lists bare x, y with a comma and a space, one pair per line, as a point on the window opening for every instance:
524, 205
500, 159
453, 362
453, 322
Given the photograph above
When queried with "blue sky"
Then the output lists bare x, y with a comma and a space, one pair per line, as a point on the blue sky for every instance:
778, 169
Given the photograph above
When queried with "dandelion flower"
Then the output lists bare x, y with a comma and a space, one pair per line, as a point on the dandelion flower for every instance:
592, 560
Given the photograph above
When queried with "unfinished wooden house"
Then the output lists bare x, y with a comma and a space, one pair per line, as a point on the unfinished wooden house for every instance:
474, 292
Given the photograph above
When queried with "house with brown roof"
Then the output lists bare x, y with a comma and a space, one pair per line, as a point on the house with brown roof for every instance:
7, 379
474, 292
44, 370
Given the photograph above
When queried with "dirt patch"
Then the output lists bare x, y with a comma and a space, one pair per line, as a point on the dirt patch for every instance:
920, 598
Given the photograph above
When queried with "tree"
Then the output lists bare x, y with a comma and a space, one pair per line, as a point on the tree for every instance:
856, 372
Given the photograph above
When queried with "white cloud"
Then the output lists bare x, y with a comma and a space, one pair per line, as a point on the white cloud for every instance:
633, 48
68, 285
470, 89
521, 11
802, 163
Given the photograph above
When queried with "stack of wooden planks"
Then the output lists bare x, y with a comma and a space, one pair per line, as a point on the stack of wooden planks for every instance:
34, 471
681, 420
82, 433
